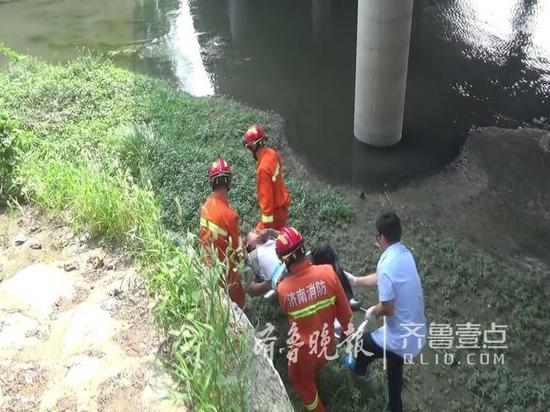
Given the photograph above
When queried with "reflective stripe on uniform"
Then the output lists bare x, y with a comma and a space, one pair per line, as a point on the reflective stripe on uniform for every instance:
313, 405
313, 309
267, 219
213, 227
276, 174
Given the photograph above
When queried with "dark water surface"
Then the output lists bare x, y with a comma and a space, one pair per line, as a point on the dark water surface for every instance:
472, 63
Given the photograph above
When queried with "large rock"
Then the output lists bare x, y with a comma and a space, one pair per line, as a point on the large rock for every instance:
85, 327
38, 287
17, 331
269, 392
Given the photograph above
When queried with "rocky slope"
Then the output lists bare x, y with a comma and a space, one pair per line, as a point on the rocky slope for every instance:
76, 332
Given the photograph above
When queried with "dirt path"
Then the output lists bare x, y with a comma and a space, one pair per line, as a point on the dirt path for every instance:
76, 329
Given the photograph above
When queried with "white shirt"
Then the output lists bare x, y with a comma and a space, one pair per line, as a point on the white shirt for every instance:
267, 258
398, 280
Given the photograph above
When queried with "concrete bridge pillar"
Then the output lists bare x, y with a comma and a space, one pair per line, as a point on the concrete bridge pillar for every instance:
383, 38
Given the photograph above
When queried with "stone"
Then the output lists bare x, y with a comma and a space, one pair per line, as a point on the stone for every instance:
114, 291
111, 305
127, 284
20, 238
156, 391
69, 267
270, 388
96, 262
49, 284
35, 246
82, 370
16, 331
86, 327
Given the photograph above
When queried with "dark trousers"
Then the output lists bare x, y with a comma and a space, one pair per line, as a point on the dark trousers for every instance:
394, 368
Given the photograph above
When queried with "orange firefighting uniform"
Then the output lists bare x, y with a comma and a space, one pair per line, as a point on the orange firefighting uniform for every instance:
313, 297
219, 227
273, 196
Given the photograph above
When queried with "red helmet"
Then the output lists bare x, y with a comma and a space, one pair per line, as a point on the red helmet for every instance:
289, 242
219, 173
254, 134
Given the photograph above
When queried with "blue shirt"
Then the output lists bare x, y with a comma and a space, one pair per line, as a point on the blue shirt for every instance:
398, 280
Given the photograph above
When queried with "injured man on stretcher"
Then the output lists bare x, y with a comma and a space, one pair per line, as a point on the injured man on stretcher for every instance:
264, 270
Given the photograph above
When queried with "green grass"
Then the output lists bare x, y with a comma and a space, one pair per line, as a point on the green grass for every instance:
126, 157
189, 305
73, 170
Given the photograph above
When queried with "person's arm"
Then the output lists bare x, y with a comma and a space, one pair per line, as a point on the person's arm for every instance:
367, 281
258, 288
383, 309
386, 295
236, 248
265, 198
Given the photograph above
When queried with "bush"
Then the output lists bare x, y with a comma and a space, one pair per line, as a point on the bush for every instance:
78, 165
13, 141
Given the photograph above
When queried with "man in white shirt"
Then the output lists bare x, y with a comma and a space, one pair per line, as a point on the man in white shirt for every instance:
263, 264
401, 301
262, 261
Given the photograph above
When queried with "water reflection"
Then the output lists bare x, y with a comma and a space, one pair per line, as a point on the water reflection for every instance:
487, 29
186, 54
472, 63
501, 31
320, 16
236, 11
469, 66
152, 36
539, 50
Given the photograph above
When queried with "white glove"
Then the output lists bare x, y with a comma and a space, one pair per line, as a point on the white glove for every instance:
352, 279
369, 314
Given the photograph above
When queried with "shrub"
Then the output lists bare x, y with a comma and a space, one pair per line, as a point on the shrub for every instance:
13, 141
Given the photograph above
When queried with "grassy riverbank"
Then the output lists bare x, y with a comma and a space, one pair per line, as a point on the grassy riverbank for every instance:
60, 151
126, 156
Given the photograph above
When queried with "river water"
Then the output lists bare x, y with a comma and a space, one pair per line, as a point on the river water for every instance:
472, 63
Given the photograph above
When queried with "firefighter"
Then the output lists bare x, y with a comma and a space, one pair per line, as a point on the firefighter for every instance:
312, 297
219, 227
273, 196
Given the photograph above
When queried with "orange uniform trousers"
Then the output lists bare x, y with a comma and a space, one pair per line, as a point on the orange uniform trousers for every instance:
302, 376
280, 216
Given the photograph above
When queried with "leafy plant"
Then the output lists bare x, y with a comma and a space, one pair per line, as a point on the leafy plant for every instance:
9, 53
13, 142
